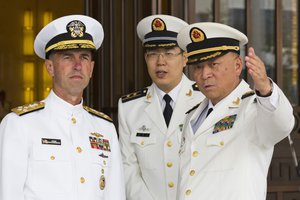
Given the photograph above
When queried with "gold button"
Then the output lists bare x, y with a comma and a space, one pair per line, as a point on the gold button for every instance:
195, 153
169, 164
192, 172
82, 180
171, 184
188, 192
102, 171
52, 157
169, 143
104, 162
78, 149
73, 120
142, 142
222, 143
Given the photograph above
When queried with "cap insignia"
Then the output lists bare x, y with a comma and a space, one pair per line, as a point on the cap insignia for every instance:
197, 35
76, 28
158, 24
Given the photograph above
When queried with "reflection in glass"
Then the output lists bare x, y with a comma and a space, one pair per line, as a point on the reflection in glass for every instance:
233, 14
289, 50
203, 11
263, 32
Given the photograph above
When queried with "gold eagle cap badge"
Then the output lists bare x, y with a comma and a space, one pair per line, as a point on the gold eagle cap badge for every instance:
76, 28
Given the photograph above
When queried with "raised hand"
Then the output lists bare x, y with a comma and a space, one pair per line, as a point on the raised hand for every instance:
257, 70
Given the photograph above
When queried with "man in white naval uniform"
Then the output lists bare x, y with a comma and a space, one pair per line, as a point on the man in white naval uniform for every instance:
228, 139
59, 149
149, 142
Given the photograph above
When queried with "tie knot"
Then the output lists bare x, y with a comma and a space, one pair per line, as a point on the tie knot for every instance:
167, 98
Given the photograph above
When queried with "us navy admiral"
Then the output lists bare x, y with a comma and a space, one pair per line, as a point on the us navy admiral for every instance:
58, 149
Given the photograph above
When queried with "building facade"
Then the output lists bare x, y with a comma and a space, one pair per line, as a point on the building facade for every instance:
272, 27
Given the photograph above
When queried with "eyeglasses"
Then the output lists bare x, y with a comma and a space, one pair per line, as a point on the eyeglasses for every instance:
167, 55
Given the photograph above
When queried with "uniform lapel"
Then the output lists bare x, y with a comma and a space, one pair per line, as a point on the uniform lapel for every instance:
221, 110
153, 109
185, 101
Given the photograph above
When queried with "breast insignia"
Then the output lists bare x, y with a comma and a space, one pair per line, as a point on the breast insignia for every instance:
28, 108
248, 94
97, 113
195, 87
134, 95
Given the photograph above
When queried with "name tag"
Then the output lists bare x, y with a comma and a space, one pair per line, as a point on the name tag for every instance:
142, 134
51, 141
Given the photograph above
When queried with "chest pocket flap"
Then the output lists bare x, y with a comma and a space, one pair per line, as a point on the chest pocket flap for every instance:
143, 139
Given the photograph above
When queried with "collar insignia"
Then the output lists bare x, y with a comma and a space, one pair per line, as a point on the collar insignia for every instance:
189, 93
237, 101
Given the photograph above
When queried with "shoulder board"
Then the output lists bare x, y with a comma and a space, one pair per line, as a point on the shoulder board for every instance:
28, 108
195, 87
193, 108
248, 94
97, 113
134, 95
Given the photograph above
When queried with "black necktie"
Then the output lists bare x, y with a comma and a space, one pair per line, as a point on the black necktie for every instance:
168, 109
209, 111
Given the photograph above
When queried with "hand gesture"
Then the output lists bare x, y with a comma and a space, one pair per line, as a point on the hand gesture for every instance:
257, 70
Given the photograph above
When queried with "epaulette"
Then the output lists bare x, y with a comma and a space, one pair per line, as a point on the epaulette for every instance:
28, 108
193, 108
248, 94
134, 95
195, 87
97, 113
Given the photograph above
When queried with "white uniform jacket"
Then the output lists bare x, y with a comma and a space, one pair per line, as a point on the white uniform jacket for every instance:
149, 149
60, 152
229, 155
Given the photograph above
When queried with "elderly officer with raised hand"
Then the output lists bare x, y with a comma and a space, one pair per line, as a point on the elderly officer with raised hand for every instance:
229, 138
59, 149
150, 120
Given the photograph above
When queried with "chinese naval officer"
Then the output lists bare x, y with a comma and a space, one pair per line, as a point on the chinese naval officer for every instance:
150, 126
229, 138
59, 149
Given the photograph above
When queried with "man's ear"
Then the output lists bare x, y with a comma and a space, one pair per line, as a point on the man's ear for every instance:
238, 65
49, 67
92, 68
185, 58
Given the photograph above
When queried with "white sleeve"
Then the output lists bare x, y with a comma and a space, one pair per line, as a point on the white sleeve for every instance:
13, 158
136, 188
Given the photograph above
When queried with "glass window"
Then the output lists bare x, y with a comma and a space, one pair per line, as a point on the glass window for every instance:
233, 14
289, 50
263, 33
22, 74
204, 11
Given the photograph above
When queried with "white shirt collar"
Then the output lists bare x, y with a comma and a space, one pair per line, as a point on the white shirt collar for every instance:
173, 94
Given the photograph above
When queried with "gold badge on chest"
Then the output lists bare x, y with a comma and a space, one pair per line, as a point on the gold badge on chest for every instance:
102, 182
